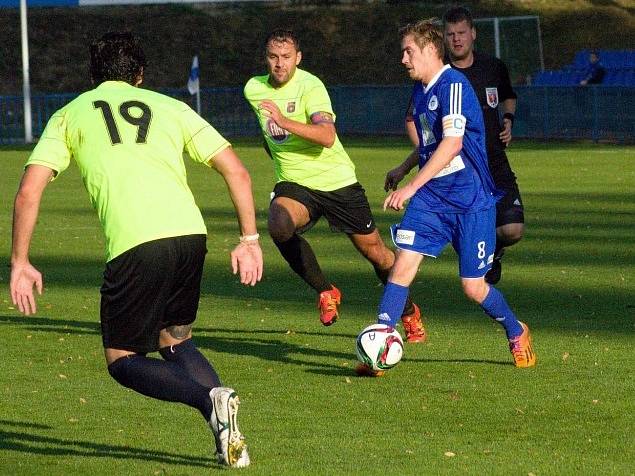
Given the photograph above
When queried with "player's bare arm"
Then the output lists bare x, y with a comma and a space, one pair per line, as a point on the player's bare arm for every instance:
396, 175
246, 257
448, 148
508, 106
321, 131
24, 276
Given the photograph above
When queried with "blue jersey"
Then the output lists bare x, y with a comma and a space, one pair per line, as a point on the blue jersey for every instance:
448, 106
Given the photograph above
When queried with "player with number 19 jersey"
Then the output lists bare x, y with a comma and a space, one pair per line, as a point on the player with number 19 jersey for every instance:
448, 105
140, 193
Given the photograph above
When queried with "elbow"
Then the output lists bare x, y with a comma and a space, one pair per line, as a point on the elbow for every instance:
27, 196
241, 175
328, 144
328, 141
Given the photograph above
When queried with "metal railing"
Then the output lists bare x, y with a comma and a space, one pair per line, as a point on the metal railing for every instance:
544, 112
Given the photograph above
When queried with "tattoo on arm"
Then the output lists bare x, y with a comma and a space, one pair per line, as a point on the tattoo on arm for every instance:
180, 332
322, 117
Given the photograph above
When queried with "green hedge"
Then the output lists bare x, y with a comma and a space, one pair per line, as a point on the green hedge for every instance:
353, 44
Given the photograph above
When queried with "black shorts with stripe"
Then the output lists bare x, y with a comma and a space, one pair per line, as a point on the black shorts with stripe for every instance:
152, 286
346, 209
509, 209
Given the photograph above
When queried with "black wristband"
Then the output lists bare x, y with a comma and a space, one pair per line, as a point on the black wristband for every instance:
510, 116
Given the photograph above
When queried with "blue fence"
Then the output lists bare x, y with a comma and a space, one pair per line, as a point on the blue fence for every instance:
544, 112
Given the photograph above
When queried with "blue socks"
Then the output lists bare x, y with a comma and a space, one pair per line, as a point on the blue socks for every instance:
394, 299
497, 308
392, 304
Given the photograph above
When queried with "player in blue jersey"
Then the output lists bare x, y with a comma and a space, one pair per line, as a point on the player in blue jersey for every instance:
452, 198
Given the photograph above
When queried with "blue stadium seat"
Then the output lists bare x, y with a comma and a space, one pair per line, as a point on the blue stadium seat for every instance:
612, 77
581, 59
619, 66
540, 78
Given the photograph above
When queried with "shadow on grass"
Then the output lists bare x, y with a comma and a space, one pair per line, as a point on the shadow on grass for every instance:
260, 343
62, 326
33, 444
350, 371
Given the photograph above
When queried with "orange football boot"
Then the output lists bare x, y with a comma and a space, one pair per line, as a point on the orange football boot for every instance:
363, 370
522, 350
327, 304
413, 326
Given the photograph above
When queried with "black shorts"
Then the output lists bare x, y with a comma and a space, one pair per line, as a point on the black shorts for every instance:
346, 209
148, 288
509, 209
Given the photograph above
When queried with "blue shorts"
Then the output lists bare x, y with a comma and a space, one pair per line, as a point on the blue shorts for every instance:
473, 237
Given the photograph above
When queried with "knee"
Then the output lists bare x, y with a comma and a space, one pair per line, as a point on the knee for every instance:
510, 234
379, 255
280, 229
117, 368
376, 251
475, 289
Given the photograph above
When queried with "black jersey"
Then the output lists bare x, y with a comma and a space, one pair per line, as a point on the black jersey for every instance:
490, 80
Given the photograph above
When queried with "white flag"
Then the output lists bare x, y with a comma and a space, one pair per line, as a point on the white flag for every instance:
192, 82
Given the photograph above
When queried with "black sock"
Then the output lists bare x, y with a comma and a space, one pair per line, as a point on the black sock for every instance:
383, 274
302, 260
190, 359
161, 380
500, 249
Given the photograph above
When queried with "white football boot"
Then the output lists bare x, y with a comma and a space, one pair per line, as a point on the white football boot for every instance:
231, 449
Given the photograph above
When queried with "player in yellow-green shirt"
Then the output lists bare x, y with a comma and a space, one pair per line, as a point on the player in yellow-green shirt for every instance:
128, 144
315, 177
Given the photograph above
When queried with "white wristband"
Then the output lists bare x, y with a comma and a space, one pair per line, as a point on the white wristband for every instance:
247, 238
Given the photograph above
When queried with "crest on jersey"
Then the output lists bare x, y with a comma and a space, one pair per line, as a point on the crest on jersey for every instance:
433, 103
277, 133
492, 97
291, 107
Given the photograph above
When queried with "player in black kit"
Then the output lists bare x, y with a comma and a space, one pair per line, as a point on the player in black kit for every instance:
490, 79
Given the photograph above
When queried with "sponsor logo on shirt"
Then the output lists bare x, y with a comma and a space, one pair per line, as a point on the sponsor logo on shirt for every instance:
291, 107
492, 97
277, 133
426, 131
455, 165
405, 237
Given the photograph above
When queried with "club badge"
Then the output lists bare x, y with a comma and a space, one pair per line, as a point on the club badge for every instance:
492, 97
433, 103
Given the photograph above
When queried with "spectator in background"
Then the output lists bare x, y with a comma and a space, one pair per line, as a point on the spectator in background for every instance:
594, 72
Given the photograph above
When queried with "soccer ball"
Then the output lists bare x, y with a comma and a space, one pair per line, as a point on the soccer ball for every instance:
379, 346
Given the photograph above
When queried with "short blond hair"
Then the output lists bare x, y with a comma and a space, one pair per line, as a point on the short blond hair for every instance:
425, 32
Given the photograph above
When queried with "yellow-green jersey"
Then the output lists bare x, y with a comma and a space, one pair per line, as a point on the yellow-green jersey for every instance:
128, 144
296, 159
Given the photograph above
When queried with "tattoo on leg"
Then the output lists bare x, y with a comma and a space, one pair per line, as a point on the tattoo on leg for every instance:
179, 332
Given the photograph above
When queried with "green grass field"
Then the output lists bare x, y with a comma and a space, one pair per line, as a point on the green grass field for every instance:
455, 405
